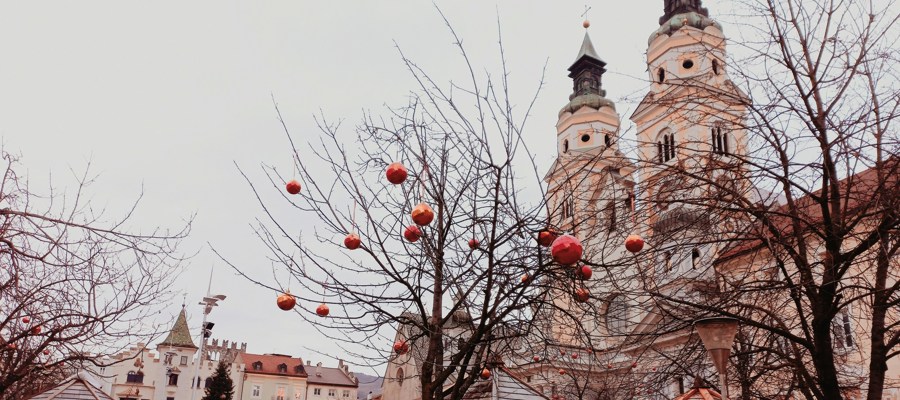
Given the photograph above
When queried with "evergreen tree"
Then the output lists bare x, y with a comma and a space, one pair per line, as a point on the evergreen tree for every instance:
220, 387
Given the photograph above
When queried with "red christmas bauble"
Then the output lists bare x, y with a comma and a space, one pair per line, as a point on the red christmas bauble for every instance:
546, 238
400, 347
36, 330
485, 374
46, 352
582, 295
608, 366
536, 359
26, 320
396, 173
11, 346
634, 365
525, 278
562, 352
322, 310
566, 250
293, 187
634, 243
286, 301
473, 244
562, 371
412, 233
584, 272
352, 241
422, 215
575, 355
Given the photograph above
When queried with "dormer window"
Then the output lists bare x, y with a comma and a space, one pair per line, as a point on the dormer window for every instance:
298, 369
282, 368
257, 366
665, 147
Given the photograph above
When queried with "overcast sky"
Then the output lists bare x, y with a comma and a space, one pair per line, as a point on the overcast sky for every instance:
168, 96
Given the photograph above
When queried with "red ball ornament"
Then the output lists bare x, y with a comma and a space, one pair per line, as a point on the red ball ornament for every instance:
396, 173
485, 374
352, 241
634, 365
634, 243
412, 233
11, 346
582, 295
26, 320
400, 347
608, 366
536, 359
562, 352
546, 238
36, 330
322, 310
286, 301
584, 272
422, 215
562, 371
473, 244
46, 352
525, 278
566, 250
293, 187
575, 355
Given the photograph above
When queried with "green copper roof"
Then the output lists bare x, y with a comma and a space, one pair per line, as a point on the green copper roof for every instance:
180, 335
587, 49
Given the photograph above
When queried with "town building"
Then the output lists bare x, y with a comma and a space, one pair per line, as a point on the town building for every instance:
166, 372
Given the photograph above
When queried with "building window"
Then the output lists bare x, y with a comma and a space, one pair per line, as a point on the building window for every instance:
715, 66
610, 213
298, 369
607, 140
168, 359
173, 380
566, 146
720, 141
399, 376
207, 382
280, 393
345, 394
665, 147
255, 391
257, 366
282, 368
687, 64
617, 314
135, 377
317, 391
332, 392
695, 258
568, 207
585, 138
667, 261
661, 75
298, 393
170, 398
842, 328
184, 360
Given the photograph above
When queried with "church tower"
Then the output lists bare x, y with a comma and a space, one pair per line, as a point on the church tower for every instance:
689, 128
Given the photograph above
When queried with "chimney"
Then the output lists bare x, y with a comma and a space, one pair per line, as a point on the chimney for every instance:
319, 368
308, 363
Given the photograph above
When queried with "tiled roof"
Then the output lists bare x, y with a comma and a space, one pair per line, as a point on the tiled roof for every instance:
330, 376
269, 364
74, 388
180, 335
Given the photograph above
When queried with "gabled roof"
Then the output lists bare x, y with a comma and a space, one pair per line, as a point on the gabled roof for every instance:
509, 387
180, 335
269, 363
77, 387
330, 377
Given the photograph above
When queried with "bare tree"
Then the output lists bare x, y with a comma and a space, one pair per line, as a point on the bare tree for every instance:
74, 285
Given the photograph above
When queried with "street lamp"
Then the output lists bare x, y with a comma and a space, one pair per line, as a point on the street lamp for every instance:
718, 335
208, 303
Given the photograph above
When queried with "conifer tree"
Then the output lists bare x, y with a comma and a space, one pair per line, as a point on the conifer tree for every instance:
220, 387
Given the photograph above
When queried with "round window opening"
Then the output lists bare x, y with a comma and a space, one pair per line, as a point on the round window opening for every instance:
688, 64
585, 138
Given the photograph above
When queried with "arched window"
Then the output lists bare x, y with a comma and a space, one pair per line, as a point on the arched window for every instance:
665, 147
661, 75
715, 66
610, 212
566, 146
568, 207
667, 261
399, 376
695, 258
720, 140
607, 140
617, 314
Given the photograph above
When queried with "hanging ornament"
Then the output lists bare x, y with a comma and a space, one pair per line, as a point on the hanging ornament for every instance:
485, 374
396, 173
400, 347
634, 243
352, 241
36, 330
412, 233
322, 310
584, 272
11, 346
566, 250
536, 359
422, 215
473, 244
293, 187
575, 356
286, 301
546, 237
26, 320
562, 352
46, 352
525, 278
562, 371
634, 365
582, 295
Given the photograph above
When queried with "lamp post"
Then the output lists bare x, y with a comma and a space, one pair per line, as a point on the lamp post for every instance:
208, 303
718, 335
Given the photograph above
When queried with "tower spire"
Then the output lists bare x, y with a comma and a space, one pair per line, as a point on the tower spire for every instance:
587, 70
673, 7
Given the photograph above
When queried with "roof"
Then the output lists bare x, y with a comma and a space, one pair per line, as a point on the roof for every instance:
269, 364
699, 392
180, 335
77, 387
587, 49
330, 377
509, 387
